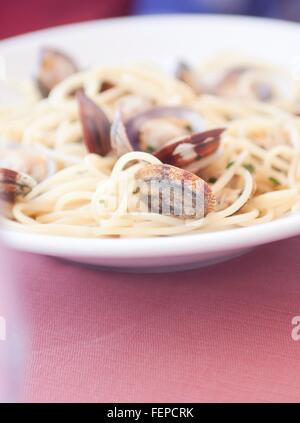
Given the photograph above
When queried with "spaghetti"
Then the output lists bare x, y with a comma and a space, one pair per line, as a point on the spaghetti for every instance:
248, 157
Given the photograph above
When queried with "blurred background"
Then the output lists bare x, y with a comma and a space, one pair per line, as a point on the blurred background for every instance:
17, 16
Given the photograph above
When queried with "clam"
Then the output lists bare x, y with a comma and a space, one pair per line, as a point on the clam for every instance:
12, 186
158, 132
225, 84
55, 66
168, 190
190, 148
192, 121
230, 77
120, 142
261, 89
165, 137
21, 169
95, 125
173, 145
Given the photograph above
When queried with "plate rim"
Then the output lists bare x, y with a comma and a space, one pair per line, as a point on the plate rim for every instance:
228, 239
164, 16
209, 242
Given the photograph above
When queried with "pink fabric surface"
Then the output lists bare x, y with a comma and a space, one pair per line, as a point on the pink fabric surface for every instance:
221, 333
18, 17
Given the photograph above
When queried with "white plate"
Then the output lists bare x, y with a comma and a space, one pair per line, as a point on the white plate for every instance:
163, 40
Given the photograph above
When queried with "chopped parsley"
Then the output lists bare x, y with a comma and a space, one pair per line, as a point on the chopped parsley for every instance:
274, 180
249, 167
101, 201
229, 164
198, 157
212, 180
189, 127
149, 149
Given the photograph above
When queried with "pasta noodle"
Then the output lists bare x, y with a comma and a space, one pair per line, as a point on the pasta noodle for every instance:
253, 173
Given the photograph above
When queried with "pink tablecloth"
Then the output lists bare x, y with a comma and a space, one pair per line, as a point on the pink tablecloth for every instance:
221, 333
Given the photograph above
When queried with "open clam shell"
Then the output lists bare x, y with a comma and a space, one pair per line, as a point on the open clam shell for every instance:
55, 66
191, 148
169, 190
14, 184
95, 125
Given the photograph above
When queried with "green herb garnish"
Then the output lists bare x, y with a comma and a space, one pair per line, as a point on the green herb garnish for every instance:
229, 164
198, 157
149, 149
188, 127
249, 167
274, 180
212, 180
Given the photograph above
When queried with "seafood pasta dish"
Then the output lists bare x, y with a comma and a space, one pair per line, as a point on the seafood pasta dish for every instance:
132, 151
